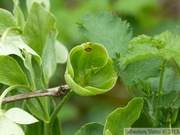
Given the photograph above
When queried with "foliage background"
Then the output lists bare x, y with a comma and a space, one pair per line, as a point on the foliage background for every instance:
145, 17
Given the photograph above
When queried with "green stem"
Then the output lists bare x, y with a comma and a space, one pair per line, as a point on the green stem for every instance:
160, 89
3, 38
9, 89
54, 114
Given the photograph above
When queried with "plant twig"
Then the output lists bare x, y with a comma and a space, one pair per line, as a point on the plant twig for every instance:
56, 91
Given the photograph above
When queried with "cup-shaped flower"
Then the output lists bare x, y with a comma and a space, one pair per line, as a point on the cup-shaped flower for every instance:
10, 119
89, 70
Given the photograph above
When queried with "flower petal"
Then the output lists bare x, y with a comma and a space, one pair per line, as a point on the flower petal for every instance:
7, 127
20, 116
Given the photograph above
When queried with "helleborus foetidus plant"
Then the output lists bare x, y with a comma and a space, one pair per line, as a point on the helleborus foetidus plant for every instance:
89, 70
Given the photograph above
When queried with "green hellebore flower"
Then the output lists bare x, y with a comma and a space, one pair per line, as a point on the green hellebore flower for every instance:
89, 70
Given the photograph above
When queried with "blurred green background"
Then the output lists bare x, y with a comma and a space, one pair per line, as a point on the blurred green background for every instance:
145, 17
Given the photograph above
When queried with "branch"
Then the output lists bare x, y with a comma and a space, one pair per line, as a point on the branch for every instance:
56, 91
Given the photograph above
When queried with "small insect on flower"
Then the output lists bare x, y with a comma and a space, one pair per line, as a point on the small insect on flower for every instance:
88, 49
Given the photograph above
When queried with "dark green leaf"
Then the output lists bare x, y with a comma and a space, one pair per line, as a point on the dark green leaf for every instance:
123, 117
39, 23
108, 30
91, 129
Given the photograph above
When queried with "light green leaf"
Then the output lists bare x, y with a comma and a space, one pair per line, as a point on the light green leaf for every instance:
138, 52
7, 127
10, 72
44, 3
124, 117
19, 116
108, 30
61, 52
88, 72
49, 56
18, 14
91, 129
156, 41
39, 23
6, 20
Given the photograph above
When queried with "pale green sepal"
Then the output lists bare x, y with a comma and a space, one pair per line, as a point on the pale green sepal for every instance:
8, 127
20, 116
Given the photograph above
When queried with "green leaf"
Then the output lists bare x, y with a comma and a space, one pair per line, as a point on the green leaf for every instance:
10, 72
19, 116
28, 64
49, 56
39, 77
124, 117
171, 81
9, 128
138, 52
108, 30
29, 130
39, 23
91, 129
89, 73
18, 14
6, 20
36, 109
138, 71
